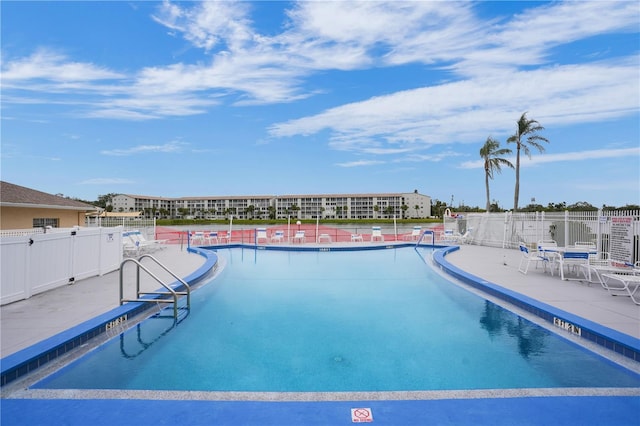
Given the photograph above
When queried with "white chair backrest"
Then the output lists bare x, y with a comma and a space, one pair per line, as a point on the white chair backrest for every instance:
585, 244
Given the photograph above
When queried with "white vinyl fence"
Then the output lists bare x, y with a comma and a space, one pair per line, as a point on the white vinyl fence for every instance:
37, 262
566, 228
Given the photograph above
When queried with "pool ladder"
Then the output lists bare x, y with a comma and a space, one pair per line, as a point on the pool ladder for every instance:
174, 295
428, 231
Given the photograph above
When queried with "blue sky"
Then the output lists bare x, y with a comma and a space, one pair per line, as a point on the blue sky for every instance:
240, 98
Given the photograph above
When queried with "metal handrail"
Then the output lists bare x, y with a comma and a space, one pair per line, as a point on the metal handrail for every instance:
427, 231
174, 294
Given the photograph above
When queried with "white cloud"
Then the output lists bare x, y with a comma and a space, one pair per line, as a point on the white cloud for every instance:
467, 111
563, 157
48, 65
171, 147
360, 163
241, 66
209, 23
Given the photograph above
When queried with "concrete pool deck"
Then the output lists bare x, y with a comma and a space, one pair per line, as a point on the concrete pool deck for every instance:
27, 322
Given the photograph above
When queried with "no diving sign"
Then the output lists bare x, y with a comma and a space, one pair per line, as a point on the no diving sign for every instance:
361, 415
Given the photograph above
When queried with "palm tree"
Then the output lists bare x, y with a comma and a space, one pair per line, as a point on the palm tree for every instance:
492, 154
529, 129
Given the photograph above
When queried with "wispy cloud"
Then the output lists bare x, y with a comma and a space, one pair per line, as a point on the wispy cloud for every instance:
360, 163
47, 65
469, 110
171, 147
242, 66
563, 157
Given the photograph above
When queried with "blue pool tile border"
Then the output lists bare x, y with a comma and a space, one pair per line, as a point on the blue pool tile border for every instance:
27, 360
621, 343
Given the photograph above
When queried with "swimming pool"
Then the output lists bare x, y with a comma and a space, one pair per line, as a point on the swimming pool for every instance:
383, 320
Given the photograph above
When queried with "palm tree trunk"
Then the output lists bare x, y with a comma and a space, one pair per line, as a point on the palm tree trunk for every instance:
517, 190
486, 182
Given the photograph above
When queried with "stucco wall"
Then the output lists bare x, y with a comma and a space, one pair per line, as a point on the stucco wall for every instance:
22, 218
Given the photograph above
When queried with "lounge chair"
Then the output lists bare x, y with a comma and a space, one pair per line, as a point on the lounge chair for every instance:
129, 247
462, 238
415, 234
449, 236
599, 266
529, 256
139, 241
376, 234
623, 283
299, 237
261, 234
277, 237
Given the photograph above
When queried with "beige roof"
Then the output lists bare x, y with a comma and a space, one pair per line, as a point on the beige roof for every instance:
12, 195
116, 214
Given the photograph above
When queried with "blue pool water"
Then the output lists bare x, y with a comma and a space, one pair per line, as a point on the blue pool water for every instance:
379, 320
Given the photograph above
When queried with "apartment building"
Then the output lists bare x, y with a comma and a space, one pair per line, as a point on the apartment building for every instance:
325, 206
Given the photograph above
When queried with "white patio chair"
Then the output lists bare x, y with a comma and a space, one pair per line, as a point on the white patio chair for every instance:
356, 238
261, 234
197, 238
529, 256
546, 243
324, 238
299, 237
277, 237
585, 244
376, 234
415, 234
224, 237
212, 237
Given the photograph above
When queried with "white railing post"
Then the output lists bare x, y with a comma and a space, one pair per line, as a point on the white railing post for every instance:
566, 228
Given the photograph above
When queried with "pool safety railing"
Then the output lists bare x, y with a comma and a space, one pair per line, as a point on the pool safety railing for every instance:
427, 231
174, 295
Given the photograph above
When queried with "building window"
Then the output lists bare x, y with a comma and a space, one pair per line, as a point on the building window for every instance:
41, 222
